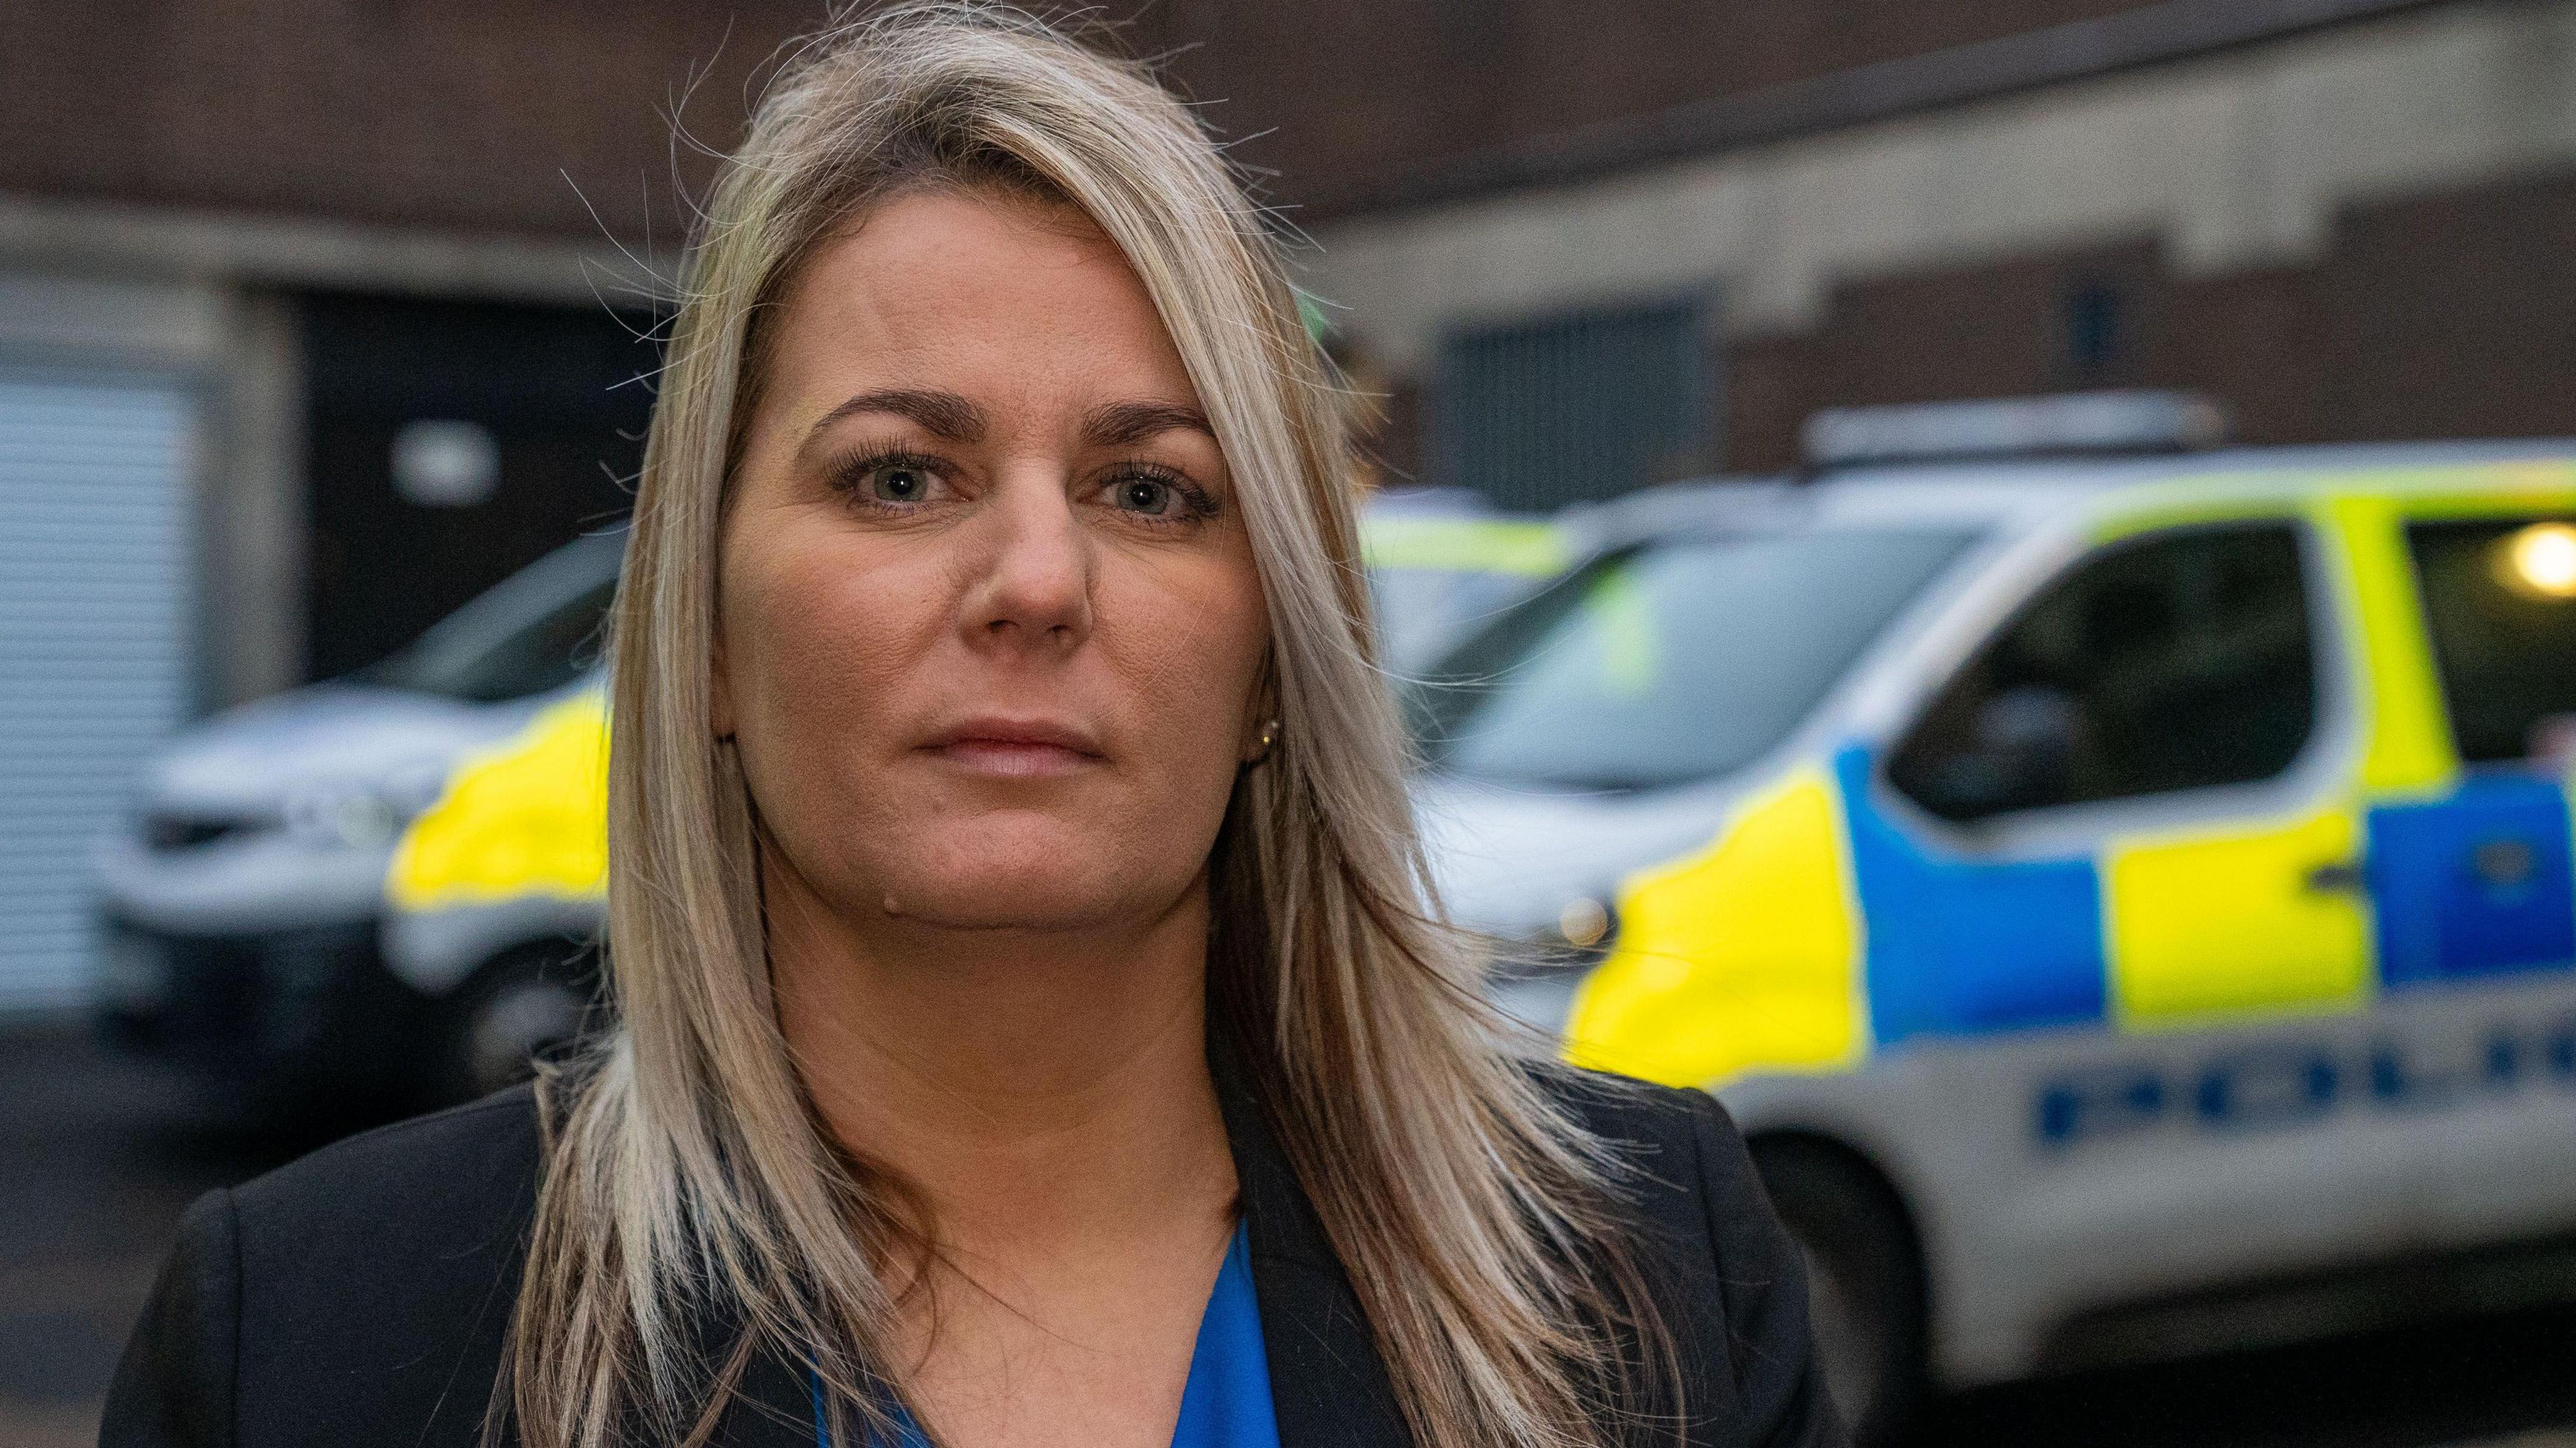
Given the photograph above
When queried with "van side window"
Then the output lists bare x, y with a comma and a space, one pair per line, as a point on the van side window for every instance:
2177, 661
2500, 603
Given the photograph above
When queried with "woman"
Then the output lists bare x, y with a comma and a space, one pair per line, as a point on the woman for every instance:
1030, 1026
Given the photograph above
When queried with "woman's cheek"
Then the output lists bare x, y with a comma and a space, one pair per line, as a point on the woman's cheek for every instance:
802, 663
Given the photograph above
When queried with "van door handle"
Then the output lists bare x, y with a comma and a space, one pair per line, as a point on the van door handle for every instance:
2341, 877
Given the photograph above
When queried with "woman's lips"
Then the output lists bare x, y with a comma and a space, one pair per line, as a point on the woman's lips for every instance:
1015, 759
1016, 748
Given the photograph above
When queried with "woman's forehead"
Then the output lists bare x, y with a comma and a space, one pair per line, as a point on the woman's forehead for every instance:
999, 301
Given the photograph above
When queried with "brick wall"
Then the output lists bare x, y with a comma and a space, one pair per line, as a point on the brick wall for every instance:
494, 116
1337, 95
2441, 316
474, 115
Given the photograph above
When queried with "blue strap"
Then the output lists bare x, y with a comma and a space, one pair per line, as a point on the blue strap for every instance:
1226, 1401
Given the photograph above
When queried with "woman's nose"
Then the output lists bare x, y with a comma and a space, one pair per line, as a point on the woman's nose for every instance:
1034, 583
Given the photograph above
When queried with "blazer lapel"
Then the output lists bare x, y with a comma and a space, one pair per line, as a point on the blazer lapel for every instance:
1328, 1387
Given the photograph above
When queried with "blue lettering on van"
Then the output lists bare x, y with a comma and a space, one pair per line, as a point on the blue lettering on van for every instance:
2103, 1102
2291, 1082
2282, 1083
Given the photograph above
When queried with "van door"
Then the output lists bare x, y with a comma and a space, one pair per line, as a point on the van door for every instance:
2476, 882
2156, 727
2474, 875
2148, 773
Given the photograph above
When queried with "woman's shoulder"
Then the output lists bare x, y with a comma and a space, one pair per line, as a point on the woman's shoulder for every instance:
368, 1285
1678, 1160
423, 1219
443, 1171
1737, 1281
1675, 1145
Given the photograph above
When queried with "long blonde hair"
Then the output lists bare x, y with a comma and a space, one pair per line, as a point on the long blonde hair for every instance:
690, 1187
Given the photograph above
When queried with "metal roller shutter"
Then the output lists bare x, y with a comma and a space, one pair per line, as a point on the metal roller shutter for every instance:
1564, 409
95, 586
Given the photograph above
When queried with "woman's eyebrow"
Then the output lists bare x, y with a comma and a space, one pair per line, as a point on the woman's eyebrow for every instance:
944, 415
1125, 424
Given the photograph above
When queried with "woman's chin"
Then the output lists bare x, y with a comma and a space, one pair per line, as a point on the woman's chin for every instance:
1055, 893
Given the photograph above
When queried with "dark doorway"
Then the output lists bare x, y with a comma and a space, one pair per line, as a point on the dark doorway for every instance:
538, 412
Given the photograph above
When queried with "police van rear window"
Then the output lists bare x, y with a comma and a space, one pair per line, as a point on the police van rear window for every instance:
2500, 603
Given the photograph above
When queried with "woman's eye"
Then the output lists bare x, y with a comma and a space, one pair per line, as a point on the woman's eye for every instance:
898, 482
1145, 495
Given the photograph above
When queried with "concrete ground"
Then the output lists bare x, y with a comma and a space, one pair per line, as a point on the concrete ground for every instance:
97, 1159
99, 1155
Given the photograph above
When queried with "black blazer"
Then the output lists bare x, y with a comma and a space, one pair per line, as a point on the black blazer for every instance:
359, 1296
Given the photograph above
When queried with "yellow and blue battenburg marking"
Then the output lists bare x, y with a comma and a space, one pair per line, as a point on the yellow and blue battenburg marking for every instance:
528, 817
1742, 956
1813, 930
2220, 918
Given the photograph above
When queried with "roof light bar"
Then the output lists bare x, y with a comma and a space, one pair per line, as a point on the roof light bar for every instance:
2073, 422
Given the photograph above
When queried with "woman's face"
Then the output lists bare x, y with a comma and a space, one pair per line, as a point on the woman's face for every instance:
990, 635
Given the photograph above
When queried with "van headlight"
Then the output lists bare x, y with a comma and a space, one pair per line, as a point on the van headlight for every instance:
1580, 938
1584, 924
363, 816
1536, 975
356, 819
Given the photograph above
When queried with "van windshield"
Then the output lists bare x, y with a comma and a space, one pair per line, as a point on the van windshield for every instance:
534, 631
1672, 661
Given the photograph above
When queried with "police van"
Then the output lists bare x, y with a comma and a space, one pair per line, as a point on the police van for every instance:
240, 905
2126, 902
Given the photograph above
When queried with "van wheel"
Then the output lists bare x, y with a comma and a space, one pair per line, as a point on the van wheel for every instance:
1865, 1280
516, 1010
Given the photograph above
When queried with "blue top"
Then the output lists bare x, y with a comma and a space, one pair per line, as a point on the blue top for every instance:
1225, 1403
